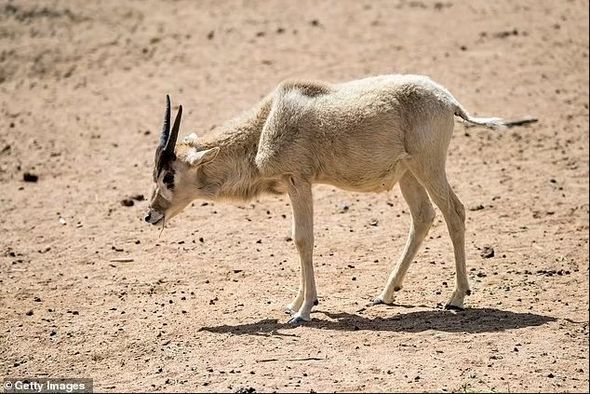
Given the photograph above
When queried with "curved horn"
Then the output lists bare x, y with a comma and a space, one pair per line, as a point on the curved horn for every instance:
164, 136
174, 134
166, 126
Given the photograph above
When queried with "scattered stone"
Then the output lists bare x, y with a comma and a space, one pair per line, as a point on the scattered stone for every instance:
138, 197
246, 390
29, 313
487, 252
122, 260
438, 6
29, 177
70, 71
560, 272
477, 207
127, 202
374, 222
507, 33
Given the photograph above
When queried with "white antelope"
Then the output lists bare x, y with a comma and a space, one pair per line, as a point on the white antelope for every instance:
364, 135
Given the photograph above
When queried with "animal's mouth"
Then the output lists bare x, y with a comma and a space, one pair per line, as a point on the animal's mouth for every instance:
154, 217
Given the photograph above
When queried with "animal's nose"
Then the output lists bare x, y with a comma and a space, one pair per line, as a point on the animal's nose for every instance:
148, 217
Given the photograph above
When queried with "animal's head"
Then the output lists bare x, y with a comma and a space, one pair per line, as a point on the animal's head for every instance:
177, 178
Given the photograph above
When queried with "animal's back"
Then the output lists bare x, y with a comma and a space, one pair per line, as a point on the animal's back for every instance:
350, 134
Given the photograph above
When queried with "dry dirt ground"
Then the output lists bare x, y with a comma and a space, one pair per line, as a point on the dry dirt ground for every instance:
200, 308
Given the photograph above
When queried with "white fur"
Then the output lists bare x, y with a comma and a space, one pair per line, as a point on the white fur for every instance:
190, 139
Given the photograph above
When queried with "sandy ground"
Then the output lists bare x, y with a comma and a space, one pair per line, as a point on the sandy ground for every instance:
200, 308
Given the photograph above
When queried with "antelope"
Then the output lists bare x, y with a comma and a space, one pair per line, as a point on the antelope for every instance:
365, 135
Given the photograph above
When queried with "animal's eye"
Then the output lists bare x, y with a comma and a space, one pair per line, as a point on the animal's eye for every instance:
169, 180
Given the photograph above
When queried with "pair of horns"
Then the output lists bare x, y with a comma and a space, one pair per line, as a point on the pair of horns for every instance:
168, 137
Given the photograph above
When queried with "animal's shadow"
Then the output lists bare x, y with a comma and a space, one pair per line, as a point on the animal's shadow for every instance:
468, 321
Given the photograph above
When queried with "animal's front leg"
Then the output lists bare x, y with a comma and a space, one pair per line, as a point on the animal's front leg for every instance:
302, 205
295, 305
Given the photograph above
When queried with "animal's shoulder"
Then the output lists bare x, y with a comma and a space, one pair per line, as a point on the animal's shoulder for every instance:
288, 126
306, 88
293, 102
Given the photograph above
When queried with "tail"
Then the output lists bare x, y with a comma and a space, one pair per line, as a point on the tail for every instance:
494, 123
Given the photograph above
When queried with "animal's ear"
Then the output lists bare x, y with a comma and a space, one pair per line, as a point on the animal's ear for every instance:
198, 158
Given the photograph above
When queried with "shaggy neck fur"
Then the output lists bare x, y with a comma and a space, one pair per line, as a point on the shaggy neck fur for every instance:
233, 173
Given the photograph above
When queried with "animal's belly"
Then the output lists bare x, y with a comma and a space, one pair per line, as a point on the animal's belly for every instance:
363, 179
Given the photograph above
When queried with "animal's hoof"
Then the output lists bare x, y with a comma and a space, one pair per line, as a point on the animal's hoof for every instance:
452, 307
297, 321
380, 301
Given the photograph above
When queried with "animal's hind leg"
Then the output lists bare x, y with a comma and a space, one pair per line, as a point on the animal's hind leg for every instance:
435, 182
422, 218
294, 306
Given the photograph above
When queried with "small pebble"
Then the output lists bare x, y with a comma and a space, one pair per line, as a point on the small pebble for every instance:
487, 252
28, 177
127, 202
